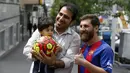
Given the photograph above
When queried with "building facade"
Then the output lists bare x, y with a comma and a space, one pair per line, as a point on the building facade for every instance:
10, 27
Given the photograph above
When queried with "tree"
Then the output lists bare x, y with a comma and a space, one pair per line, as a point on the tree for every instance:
93, 6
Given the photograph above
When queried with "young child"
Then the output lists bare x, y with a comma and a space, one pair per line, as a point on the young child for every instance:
45, 28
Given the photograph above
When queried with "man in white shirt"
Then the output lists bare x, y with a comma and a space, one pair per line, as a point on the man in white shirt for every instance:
68, 39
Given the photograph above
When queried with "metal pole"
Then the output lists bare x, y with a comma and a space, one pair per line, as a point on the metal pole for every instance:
113, 27
114, 23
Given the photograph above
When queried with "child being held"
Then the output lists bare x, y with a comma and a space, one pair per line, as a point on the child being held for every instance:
46, 28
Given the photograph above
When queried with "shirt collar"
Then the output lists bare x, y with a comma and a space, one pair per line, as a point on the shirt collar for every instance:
68, 31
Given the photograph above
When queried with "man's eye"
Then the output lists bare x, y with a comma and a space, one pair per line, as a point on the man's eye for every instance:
66, 17
60, 14
80, 26
85, 26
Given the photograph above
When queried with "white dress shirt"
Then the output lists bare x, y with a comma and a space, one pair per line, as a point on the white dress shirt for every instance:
70, 43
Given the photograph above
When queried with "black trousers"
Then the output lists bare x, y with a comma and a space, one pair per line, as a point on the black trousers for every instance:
42, 68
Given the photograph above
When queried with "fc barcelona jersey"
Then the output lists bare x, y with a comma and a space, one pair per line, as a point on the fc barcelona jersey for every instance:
101, 57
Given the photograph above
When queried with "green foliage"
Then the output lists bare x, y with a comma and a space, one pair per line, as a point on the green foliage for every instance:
124, 4
92, 6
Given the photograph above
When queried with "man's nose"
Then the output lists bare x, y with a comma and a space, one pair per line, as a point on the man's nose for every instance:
82, 28
61, 17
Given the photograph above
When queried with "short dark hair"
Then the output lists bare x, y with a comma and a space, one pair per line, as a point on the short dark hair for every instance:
71, 7
45, 23
94, 19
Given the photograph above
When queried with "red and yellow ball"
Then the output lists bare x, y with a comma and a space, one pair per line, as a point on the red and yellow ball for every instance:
46, 44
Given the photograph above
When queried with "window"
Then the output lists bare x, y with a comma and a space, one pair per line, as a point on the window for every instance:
17, 1
2, 0
2, 41
17, 32
35, 8
11, 35
12, 1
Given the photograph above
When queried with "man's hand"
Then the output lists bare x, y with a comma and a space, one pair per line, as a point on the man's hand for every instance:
58, 49
43, 58
47, 60
79, 59
35, 55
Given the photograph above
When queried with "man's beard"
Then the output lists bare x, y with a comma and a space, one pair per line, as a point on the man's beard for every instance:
87, 35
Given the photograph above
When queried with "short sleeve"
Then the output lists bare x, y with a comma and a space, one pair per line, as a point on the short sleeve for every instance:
106, 59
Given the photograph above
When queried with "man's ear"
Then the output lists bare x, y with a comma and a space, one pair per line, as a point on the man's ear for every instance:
97, 28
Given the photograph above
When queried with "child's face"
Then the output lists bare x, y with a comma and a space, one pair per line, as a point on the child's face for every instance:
47, 31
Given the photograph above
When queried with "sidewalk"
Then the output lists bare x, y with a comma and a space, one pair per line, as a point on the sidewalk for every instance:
119, 69
15, 62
